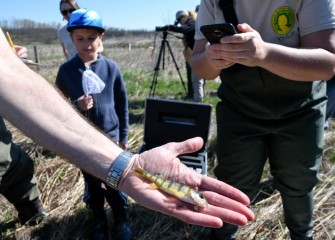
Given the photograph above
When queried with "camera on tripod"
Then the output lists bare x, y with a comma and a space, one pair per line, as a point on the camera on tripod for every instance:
164, 44
162, 29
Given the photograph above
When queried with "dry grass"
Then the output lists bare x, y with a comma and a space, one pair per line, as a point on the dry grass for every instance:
61, 185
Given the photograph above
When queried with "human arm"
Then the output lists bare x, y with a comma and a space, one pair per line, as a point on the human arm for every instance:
64, 50
313, 60
34, 106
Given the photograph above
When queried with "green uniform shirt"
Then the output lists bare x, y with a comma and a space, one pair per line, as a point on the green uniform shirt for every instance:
255, 91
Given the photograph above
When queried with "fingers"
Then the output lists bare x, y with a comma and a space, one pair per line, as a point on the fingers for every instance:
228, 203
219, 204
245, 28
188, 146
220, 63
85, 102
196, 218
227, 215
221, 197
210, 216
21, 52
220, 191
124, 146
214, 185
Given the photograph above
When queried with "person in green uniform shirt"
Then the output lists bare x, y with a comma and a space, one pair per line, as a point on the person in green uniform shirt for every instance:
273, 98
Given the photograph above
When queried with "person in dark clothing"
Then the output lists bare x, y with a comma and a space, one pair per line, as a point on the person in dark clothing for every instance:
106, 107
272, 98
186, 19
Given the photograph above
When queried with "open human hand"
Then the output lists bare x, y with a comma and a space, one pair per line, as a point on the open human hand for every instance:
225, 203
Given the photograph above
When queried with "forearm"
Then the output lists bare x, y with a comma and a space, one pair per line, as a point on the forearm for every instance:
299, 64
35, 107
64, 50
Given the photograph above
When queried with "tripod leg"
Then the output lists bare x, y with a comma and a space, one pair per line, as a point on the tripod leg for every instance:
175, 63
156, 69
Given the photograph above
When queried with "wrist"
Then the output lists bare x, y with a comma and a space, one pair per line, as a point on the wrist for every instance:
117, 169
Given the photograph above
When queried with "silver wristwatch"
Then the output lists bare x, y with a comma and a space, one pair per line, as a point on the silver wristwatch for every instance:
117, 168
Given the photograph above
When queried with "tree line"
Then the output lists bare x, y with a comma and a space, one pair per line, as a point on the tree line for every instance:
26, 31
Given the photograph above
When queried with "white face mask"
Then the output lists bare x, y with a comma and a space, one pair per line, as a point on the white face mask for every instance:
91, 82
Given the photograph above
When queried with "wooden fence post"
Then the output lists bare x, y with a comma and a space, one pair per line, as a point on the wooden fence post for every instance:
37, 58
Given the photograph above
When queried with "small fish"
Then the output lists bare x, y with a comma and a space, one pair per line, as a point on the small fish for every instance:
176, 189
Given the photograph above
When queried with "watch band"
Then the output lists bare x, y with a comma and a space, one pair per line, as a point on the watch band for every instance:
117, 168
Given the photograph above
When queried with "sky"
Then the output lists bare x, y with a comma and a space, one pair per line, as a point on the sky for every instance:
124, 14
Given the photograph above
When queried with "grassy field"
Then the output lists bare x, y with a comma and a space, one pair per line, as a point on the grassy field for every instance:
62, 184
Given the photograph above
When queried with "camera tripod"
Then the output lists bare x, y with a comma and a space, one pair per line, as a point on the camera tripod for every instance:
161, 54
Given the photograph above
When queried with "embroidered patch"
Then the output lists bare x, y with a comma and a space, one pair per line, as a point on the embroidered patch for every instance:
283, 20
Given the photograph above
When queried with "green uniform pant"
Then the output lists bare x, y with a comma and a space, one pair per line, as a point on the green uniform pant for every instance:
292, 145
17, 179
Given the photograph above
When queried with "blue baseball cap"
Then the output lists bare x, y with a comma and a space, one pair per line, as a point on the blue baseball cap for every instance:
83, 18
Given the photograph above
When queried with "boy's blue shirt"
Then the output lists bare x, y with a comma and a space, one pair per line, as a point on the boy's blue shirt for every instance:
110, 107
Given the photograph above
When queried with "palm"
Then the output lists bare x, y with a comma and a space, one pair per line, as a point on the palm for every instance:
162, 160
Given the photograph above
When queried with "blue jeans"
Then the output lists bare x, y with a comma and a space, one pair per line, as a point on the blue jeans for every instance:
95, 195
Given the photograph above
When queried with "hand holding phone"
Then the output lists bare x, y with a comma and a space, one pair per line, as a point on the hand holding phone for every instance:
215, 32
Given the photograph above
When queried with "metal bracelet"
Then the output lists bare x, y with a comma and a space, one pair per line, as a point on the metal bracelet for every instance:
117, 168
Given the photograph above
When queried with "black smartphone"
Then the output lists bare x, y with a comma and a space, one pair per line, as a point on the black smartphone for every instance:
215, 32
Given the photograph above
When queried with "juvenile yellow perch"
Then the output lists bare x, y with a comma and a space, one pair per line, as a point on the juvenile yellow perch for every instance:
176, 189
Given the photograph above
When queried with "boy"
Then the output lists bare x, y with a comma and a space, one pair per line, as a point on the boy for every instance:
108, 110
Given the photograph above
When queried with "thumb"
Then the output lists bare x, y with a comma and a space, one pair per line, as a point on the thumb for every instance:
188, 146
